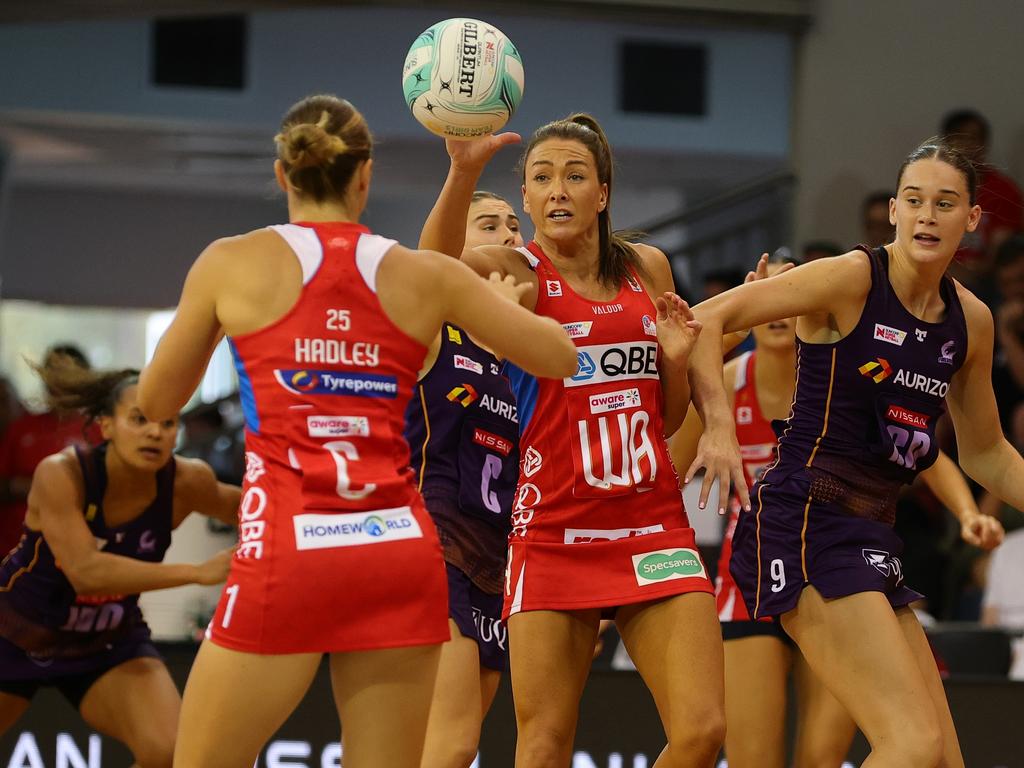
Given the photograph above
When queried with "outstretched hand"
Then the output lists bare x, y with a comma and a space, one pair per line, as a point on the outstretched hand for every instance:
760, 271
677, 328
474, 154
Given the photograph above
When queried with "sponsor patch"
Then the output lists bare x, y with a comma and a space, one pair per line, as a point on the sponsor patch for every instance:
587, 535
615, 401
889, 334
338, 426
744, 415
468, 364
578, 330
532, 461
650, 327
884, 563
497, 443
947, 352
307, 382
667, 564
606, 309
906, 416
614, 362
554, 287
921, 335
454, 335
634, 285
356, 528
464, 395
254, 467
878, 370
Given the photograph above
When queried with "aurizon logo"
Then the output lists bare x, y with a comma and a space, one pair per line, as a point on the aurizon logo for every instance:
878, 370
465, 395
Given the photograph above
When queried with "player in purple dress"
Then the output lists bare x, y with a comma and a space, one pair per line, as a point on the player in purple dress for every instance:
98, 524
885, 342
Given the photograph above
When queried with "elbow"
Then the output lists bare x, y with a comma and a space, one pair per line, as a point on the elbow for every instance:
149, 400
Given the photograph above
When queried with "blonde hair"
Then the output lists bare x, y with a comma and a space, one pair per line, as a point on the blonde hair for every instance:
322, 141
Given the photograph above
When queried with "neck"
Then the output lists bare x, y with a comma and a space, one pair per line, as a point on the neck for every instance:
775, 370
578, 258
916, 284
128, 480
308, 210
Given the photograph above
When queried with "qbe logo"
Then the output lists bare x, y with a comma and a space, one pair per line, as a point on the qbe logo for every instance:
352, 529
614, 362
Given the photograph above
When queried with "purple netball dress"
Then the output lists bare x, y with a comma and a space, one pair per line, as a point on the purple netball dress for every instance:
49, 635
862, 426
463, 433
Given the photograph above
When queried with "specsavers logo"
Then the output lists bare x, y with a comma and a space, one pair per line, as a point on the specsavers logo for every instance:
878, 370
666, 564
306, 382
349, 530
614, 362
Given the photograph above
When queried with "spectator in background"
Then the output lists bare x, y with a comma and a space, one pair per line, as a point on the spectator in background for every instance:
999, 197
1003, 604
821, 249
874, 211
1008, 360
31, 438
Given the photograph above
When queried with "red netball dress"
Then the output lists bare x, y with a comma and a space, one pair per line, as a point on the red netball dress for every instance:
757, 449
336, 551
598, 519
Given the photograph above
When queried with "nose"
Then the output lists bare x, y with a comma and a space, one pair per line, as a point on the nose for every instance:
557, 190
509, 238
927, 214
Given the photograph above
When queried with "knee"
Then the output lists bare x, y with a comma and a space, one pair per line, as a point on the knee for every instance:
543, 746
697, 740
923, 747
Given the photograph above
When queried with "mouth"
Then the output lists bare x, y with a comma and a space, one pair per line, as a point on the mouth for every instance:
925, 239
559, 214
151, 453
777, 326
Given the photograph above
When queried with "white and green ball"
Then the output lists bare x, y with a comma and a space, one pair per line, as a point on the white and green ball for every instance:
463, 78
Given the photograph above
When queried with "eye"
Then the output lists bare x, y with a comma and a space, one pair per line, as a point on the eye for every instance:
488, 227
576, 177
170, 424
514, 227
945, 204
540, 178
914, 200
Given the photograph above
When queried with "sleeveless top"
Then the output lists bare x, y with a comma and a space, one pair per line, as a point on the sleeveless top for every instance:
866, 406
757, 441
39, 610
463, 431
597, 436
324, 391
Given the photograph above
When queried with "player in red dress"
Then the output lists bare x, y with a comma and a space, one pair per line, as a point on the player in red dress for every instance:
329, 325
598, 524
759, 656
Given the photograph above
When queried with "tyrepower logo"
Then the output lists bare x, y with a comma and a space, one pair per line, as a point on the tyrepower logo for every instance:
353, 529
890, 335
614, 362
878, 370
667, 564
906, 416
615, 401
306, 382
338, 426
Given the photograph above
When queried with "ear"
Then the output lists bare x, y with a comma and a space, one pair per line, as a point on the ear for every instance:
366, 174
602, 201
974, 218
892, 211
282, 181
526, 202
106, 427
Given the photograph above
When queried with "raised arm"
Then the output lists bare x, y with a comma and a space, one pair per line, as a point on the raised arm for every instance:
55, 502
985, 454
445, 227
826, 295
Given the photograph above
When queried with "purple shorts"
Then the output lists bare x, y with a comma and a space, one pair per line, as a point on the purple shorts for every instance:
22, 674
787, 542
478, 617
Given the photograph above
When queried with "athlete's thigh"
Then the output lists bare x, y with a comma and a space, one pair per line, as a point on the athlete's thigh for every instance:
456, 708
825, 730
11, 708
918, 642
676, 644
856, 646
490, 679
234, 702
550, 653
756, 677
136, 703
383, 699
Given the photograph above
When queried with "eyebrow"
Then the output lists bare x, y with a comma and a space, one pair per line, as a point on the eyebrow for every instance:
567, 162
941, 191
497, 216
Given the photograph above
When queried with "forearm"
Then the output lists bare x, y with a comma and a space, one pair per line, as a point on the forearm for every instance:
947, 482
1000, 470
675, 390
104, 574
445, 227
707, 390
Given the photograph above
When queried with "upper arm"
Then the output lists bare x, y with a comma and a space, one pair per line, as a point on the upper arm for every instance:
55, 501
486, 259
821, 287
198, 490
971, 401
